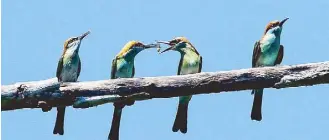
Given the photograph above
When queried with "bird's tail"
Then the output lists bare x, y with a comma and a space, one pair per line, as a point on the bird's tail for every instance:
181, 118
59, 125
114, 132
256, 112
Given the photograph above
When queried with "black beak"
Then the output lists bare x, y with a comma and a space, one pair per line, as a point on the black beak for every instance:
84, 35
164, 42
168, 43
283, 21
151, 46
170, 48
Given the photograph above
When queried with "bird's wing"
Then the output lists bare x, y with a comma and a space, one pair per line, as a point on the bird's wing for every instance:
114, 68
256, 53
280, 56
194, 48
180, 65
79, 68
59, 68
200, 64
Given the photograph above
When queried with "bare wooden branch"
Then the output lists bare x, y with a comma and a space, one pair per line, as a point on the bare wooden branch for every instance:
49, 93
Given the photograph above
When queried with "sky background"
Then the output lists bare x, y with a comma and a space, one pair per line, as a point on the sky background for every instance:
224, 32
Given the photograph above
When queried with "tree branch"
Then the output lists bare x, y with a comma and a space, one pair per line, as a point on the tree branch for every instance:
49, 93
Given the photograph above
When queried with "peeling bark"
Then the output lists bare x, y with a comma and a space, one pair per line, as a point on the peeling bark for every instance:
49, 93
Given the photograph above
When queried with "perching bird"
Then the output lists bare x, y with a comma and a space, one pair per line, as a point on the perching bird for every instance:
123, 67
190, 62
68, 70
267, 52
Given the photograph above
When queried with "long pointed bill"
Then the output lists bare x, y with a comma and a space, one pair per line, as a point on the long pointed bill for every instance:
168, 43
84, 35
283, 21
151, 46
164, 42
170, 48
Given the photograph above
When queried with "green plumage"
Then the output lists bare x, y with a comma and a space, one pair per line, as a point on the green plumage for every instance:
190, 63
267, 52
68, 70
123, 67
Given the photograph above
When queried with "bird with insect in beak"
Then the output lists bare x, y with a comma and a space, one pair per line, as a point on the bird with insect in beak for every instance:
267, 52
68, 70
190, 63
123, 67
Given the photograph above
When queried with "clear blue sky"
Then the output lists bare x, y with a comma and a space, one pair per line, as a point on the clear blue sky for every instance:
224, 32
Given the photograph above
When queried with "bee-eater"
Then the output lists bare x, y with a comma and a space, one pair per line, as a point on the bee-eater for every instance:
123, 67
190, 62
68, 70
267, 52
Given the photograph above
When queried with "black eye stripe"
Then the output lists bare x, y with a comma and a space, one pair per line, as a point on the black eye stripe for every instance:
275, 24
71, 40
175, 41
139, 45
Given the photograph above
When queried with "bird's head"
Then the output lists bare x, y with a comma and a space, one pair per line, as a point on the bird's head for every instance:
178, 44
132, 48
73, 43
275, 27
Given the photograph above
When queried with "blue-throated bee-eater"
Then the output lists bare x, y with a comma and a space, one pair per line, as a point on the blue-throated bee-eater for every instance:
190, 62
267, 52
68, 70
123, 67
